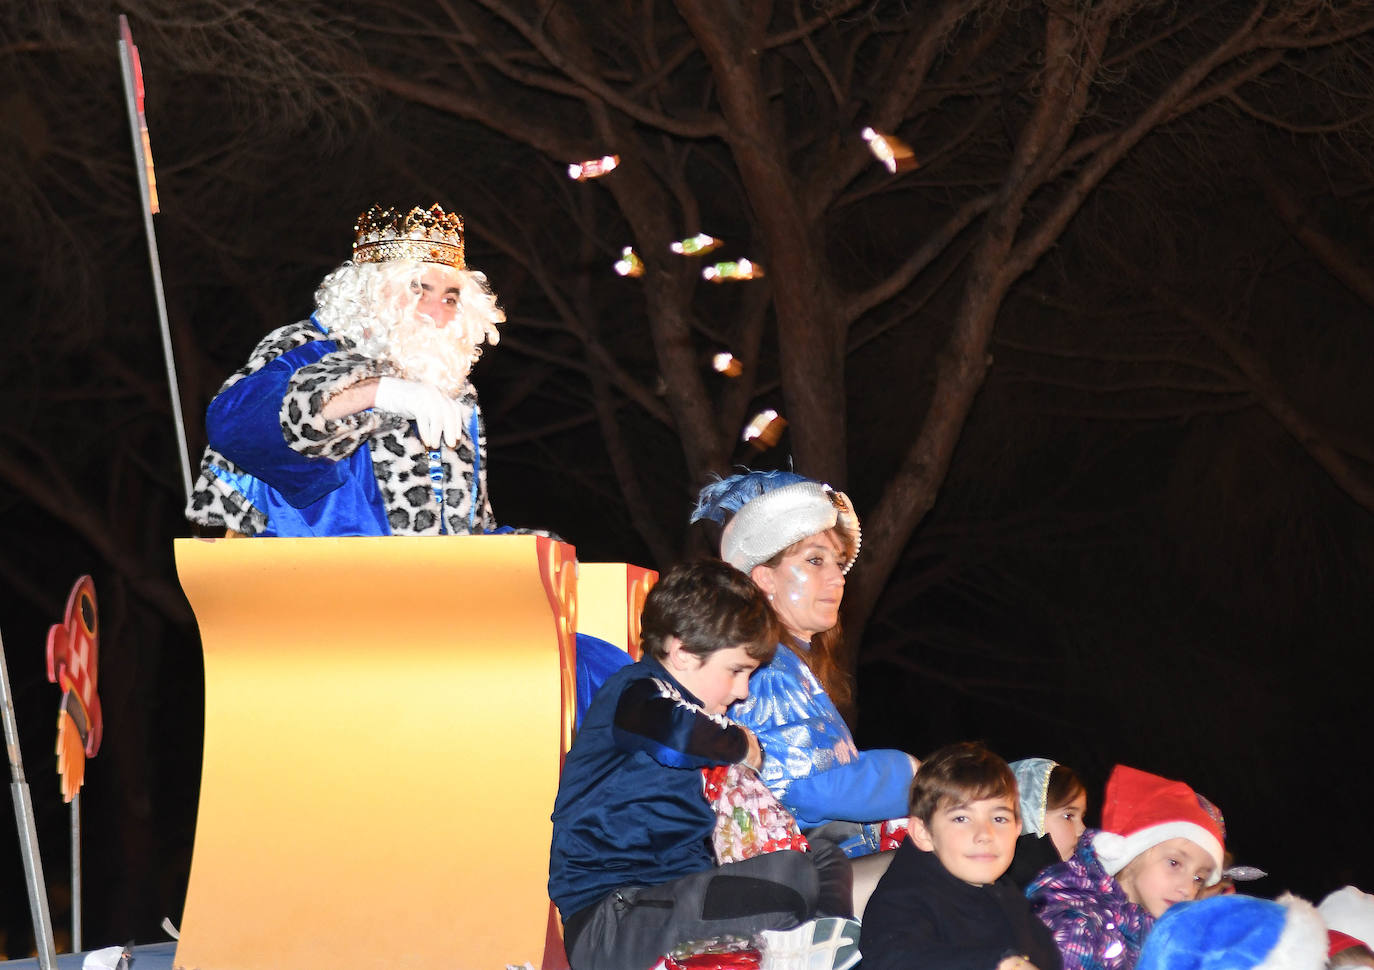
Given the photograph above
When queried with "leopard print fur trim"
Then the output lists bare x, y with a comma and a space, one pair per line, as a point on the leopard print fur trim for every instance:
214, 502
401, 464
303, 423
399, 459
217, 504
275, 344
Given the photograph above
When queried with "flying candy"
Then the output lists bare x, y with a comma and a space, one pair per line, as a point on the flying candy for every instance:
742, 270
595, 168
698, 245
727, 364
765, 429
629, 263
891, 151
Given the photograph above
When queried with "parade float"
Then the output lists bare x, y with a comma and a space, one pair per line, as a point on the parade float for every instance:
375, 790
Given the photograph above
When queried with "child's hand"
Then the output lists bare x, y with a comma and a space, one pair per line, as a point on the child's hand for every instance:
754, 759
1016, 963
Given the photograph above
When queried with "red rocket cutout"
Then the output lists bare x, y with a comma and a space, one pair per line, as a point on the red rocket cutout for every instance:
72, 666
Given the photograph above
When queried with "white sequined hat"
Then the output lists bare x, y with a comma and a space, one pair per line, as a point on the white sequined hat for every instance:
772, 510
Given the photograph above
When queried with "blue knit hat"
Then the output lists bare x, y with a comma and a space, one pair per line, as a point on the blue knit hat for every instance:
1237, 933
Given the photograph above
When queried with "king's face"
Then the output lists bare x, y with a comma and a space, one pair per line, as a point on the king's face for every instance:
437, 290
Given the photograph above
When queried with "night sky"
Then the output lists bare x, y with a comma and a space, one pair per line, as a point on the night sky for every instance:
1095, 373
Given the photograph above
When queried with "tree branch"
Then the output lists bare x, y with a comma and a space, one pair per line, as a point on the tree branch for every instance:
925, 254
51, 492
1343, 264
554, 55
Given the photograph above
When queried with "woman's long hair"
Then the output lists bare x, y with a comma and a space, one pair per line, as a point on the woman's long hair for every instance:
825, 647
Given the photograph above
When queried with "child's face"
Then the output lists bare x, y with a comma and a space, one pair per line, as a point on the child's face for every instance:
1064, 825
974, 842
1164, 874
718, 679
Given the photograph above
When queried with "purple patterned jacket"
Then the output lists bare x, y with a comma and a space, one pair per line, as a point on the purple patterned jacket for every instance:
1095, 926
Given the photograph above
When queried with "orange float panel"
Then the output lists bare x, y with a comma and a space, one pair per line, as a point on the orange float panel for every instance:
610, 598
384, 719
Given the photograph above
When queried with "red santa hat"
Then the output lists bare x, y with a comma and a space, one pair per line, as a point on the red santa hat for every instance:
1338, 941
1142, 810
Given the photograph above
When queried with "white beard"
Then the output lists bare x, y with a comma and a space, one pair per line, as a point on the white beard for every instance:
426, 353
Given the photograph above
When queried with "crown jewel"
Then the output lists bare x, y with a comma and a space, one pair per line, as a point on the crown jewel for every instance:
428, 235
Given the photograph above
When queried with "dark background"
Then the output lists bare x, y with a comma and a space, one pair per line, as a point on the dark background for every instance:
1150, 540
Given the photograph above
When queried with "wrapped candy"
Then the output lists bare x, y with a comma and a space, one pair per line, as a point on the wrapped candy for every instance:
698, 245
765, 429
741, 270
890, 150
727, 363
892, 833
726, 952
593, 168
629, 263
750, 820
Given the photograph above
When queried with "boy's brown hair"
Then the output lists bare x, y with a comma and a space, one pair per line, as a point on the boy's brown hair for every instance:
958, 774
709, 606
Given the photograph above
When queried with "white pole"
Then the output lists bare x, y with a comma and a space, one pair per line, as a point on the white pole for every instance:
76, 873
126, 60
28, 832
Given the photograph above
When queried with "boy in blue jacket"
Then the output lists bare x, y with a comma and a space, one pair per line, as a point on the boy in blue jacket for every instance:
631, 868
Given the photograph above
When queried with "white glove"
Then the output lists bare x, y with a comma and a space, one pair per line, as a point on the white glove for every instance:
437, 417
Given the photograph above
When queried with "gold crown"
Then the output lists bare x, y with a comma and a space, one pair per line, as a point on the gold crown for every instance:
428, 235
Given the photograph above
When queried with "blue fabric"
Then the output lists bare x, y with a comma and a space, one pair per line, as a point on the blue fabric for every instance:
1232, 933
631, 810
307, 496
436, 478
243, 423
353, 509
811, 762
874, 787
726, 496
436, 482
474, 433
597, 659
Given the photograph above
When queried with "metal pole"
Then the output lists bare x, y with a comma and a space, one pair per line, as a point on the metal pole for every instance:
28, 832
76, 873
126, 61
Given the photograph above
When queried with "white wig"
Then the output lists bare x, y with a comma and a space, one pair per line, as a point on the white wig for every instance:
362, 302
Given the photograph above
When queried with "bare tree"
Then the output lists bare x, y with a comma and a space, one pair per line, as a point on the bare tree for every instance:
1126, 201
743, 121
1017, 112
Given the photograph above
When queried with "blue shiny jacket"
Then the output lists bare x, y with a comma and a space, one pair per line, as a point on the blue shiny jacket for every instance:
631, 810
307, 496
810, 760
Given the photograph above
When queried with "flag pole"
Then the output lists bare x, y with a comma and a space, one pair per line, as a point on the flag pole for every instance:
147, 190
76, 873
28, 832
